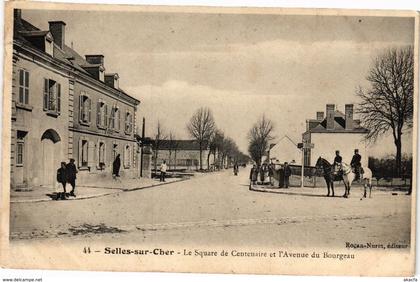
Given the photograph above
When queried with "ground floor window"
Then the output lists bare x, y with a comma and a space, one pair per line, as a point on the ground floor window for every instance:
127, 156
20, 148
84, 153
101, 155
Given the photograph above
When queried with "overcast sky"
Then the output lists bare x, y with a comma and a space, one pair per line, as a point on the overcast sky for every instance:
240, 66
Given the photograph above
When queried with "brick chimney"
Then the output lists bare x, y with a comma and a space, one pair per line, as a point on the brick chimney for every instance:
95, 59
330, 116
17, 14
349, 116
319, 116
58, 31
111, 79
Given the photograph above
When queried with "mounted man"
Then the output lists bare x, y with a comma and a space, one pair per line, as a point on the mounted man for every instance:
356, 164
338, 164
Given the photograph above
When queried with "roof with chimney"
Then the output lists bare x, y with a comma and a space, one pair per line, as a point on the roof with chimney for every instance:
339, 125
180, 145
27, 33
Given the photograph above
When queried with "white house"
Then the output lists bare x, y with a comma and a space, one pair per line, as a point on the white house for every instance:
336, 131
285, 150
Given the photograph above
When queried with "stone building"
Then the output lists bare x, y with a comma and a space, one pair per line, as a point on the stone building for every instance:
336, 131
65, 106
284, 150
181, 154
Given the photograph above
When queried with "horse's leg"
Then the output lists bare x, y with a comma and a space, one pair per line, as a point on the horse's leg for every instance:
332, 187
365, 187
345, 187
327, 181
370, 188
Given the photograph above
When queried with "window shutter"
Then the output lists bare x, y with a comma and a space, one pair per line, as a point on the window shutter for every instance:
45, 94
89, 108
98, 113
80, 152
119, 120
81, 108
27, 87
131, 124
58, 98
106, 116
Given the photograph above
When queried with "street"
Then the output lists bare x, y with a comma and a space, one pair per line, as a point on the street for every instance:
218, 209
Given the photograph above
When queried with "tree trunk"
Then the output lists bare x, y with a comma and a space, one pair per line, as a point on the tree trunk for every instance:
208, 160
201, 158
175, 160
397, 142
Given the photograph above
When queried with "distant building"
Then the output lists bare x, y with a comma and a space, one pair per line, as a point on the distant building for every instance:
336, 131
65, 106
285, 150
181, 154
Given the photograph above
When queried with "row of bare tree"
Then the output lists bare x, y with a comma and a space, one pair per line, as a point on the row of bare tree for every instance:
203, 129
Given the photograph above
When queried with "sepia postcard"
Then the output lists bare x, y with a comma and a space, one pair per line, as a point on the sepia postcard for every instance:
209, 139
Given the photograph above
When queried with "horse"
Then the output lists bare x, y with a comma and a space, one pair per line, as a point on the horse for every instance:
347, 175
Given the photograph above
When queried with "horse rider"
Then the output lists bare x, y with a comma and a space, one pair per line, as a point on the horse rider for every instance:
337, 162
356, 164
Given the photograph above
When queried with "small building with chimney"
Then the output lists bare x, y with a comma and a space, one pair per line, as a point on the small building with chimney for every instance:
64, 106
335, 131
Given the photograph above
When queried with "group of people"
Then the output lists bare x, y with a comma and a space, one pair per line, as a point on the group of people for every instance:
356, 164
266, 173
67, 174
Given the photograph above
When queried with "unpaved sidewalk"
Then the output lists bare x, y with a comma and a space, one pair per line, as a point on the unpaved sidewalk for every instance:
89, 190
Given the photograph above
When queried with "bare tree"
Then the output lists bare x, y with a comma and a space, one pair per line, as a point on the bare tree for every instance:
201, 127
159, 138
259, 137
388, 103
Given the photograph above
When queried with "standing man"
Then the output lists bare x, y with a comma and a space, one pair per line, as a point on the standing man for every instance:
116, 167
356, 163
62, 178
163, 168
287, 173
71, 172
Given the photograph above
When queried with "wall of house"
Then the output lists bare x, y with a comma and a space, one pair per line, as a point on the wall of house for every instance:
285, 151
327, 143
95, 134
35, 121
94, 170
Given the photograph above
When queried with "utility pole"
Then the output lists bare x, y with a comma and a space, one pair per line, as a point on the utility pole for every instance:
141, 147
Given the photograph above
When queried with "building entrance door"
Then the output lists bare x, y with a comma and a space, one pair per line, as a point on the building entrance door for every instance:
50, 141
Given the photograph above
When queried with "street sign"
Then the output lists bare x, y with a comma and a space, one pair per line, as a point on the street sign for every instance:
308, 145
305, 145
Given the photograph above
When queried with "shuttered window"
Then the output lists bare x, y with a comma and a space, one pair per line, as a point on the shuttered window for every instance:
23, 87
51, 96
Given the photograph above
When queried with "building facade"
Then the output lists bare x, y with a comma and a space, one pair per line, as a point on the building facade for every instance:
181, 154
63, 108
285, 150
336, 131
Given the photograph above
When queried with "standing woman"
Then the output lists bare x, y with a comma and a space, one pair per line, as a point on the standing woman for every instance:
116, 167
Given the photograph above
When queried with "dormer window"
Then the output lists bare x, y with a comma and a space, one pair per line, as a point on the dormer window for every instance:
49, 45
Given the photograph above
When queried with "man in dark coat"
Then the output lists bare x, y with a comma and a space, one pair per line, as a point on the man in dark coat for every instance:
337, 162
116, 166
356, 163
71, 172
62, 178
253, 175
287, 173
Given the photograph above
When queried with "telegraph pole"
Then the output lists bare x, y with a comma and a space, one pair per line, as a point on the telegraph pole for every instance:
141, 148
